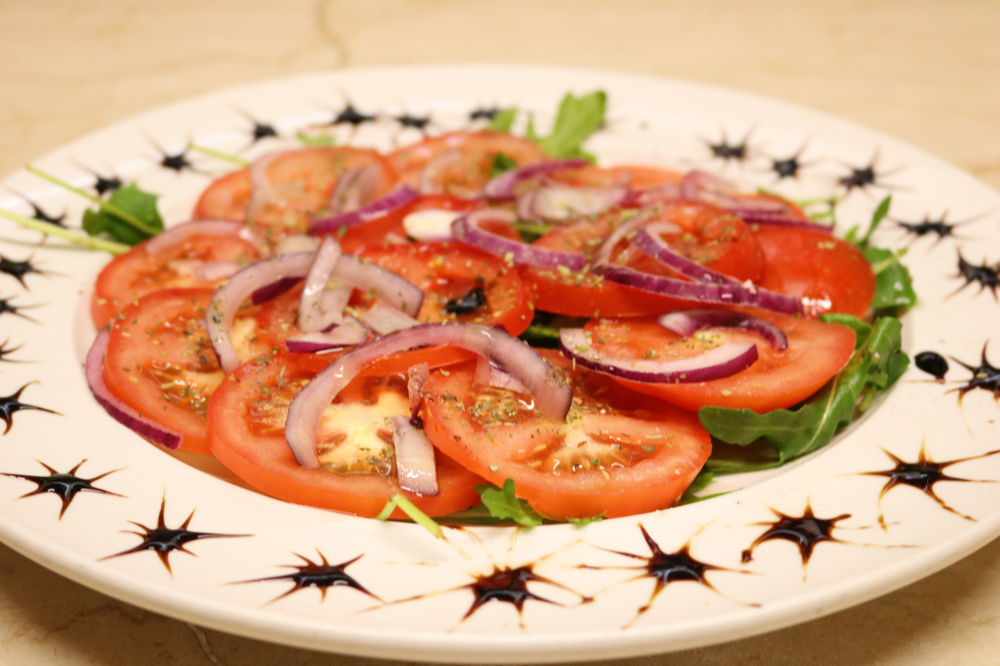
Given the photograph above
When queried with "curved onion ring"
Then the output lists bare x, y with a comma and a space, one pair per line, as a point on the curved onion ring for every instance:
311, 315
564, 202
502, 186
723, 361
416, 469
467, 230
552, 395
355, 188
182, 232
648, 240
396, 199
686, 322
261, 188
348, 334
119, 411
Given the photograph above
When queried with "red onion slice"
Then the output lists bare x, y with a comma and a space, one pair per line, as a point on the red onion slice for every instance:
211, 271
563, 202
468, 230
551, 393
603, 254
429, 176
488, 374
355, 188
348, 334
182, 232
297, 243
396, 199
502, 186
416, 469
228, 298
261, 188
416, 377
702, 186
386, 286
118, 410
726, 294
687, 322
273, 290
648, 240
765, 218
383, 319
723, 361
311, 313
658, 194
429, 225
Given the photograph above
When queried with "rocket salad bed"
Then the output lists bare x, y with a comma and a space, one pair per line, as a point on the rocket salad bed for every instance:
413, 273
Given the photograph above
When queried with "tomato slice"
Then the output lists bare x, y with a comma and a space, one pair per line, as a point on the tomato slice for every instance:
779, 379
389, 228
636, 177
137, 272
160, 361
466, 160
829, 273
447, 271
618, 453
226, 198
246, 432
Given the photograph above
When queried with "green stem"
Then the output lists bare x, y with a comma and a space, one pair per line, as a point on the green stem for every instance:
89, 242
109, 207
415, 514
218, 155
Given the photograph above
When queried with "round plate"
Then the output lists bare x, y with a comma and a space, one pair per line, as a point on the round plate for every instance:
904, 493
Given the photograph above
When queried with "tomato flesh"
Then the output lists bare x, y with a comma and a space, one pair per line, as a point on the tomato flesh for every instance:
618, 452
226, 198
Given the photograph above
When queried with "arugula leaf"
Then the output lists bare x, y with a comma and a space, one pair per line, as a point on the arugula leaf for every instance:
893, 284
135, 203
315, 140
531, 231
411, 510
576, 119
504, 504
704, 478
504, 119
873, 368
861, 329
501, 163
587, 520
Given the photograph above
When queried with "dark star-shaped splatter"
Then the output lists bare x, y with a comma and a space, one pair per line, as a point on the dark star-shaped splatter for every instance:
730, 151
106, 184
321, 575
939, 227
484, 113
64, 484
39, 214
351, 116
7, 307
805, 531
5, 351
415, 122
12, 403
864, 177
922, 475
262, 131
987, 276
788, 167
984, 376
18, 269
176, 162
164, 540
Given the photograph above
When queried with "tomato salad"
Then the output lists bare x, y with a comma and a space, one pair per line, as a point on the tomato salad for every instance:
344, 328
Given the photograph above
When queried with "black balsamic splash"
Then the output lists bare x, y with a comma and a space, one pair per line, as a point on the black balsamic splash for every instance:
987, 276
484, 113
466, 303
984, 376
321, 575
262, 131
786, 168
18, 269
930, 227
5, 351
63, 484
730, 151
922, 475
12, 403
414, 122
351, 116
805, 531
507, 586
164, 540
7, 307
176, 162
932, 363
106, 184
38, 213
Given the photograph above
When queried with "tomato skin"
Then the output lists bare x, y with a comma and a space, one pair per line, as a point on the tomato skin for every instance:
262, 458
226, 198
380, 230
829, 272
779, 379
137, 272
636, 177
532, 450
449, 270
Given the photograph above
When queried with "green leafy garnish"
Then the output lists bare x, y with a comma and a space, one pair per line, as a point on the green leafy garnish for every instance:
576, 120
55, 230
315, 140
587, 520
415, 514
893, 284
219, 155
109, 219
504, 119
531, 231
504, 504
875, 365
502, 163
702, 481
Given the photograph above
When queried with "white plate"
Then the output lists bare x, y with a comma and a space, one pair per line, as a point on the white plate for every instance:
650, 121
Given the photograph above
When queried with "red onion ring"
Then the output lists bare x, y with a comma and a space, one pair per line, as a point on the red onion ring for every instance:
416, 469
428, 176
502, 186
182, 232
564, 202
603, 254
399, 197
416, 377
686, 322
488, 374
467, 230
551, 393
261, 188
753, 216
211, 271
311, 313
355, 188
648, 240
383, 319
118, 410
723, 361
388, 287
348, 334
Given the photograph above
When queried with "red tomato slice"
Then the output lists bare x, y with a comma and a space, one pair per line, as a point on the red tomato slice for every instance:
225, 198
161, 364
446, 271
246, 432
466, 162
389, 228
633, 176
830, 273
779, 379
618, 453
137, 272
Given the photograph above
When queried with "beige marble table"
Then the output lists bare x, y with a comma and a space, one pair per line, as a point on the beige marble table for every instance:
926, 71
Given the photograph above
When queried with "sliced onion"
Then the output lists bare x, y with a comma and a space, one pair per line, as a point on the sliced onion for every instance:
551, 393
350, 333
702, 186
310, 317
332, 302
297, 243
727, 294
687, 322
468, 230
648, 240
416, 377
603, 253
416, 469
563, 202
502, 186
383, 319
261, 188
658, 194
388, 287
429, 176
396, 199
487, 374
723, 361
184, 232
355, 188
765, 218
119, 411
271, 291
211, 271
228, 298
430, 224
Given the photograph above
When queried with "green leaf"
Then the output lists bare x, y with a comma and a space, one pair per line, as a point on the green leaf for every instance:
880, 212
504, 504
504, 120
873, 368
315, 140
501, 163
73, 237
134, 202
587, 520
576, 119
893, 284
704, 478
411, 510
531, 231
861, 329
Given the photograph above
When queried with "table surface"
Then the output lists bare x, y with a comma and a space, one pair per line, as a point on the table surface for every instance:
926, 72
